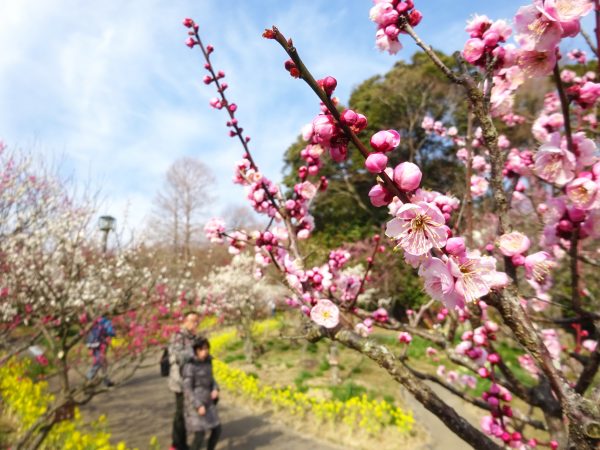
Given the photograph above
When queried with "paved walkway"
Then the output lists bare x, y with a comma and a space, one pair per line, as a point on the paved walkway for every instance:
143, 407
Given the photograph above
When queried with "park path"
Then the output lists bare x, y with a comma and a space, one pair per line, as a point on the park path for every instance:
143, 407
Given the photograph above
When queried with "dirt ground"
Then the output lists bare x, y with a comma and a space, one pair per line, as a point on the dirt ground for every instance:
143, 407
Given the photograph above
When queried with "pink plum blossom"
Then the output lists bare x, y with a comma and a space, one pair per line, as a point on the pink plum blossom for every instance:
479, 186
554, 164
214, 230
535, 63
538, 266
583, 192
325, 313
514, 243
475, 275
439, 284
535, 31
386, 44
418, 228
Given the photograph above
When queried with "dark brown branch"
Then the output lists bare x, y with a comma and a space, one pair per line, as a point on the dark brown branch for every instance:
310, 80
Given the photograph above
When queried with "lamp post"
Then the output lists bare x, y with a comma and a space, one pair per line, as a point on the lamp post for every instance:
106, 224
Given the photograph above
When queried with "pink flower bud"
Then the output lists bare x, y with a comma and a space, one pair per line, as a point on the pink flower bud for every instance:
190, 42
379, 196
328, 84
402, 7
404, 337
518, 260
415, 17
491, 38
455, 246
188, 23
493, 358
385, 141
349, 117
407, 176
473, 50
376, 162
361, 123
209, 49
207, 79
483, 372
233, 107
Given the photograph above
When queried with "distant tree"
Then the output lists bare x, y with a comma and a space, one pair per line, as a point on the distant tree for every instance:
179, 205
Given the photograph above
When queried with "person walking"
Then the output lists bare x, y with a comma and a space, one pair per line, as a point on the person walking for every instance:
201, 393
180, 351
98, 341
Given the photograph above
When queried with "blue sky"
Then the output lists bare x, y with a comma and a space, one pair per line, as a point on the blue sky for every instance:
108, 90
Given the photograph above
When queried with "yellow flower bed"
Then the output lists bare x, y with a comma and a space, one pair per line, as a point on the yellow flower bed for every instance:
24, 401
369, 415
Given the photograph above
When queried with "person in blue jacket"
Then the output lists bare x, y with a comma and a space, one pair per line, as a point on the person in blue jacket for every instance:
98, 341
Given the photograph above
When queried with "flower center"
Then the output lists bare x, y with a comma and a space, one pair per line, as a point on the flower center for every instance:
541, 271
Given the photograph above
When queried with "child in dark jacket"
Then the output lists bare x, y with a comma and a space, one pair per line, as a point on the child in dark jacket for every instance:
201, 394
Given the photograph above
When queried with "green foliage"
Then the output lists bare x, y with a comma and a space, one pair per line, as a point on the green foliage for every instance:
312, 347
233, 357
347, 391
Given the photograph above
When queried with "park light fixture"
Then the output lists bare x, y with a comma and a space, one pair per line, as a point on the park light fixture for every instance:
106, 224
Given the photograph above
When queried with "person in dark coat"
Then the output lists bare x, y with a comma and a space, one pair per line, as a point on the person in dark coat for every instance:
181, 351
201, 394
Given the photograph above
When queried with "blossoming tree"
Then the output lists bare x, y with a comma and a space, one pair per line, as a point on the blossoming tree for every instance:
56, 284
542, 220
238, 295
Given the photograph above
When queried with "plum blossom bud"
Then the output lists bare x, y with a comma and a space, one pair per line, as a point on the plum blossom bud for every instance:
376, 162
407, 176
188, 23
415, 17
493, 358
518, 260
209, 49
349, 117
208, 79
576, 215
473, 50
290, 66
379, 196
483, 372
455, 246
190, 42
328, 84
385, 141
404, 337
